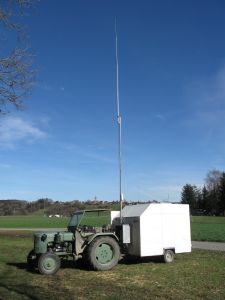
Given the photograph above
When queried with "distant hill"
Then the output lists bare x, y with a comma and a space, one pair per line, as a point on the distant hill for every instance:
10, 207
49, 207
46, 206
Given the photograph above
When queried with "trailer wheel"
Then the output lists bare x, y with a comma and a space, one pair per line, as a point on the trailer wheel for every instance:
48, 263
168, 256
31, 260
103, 253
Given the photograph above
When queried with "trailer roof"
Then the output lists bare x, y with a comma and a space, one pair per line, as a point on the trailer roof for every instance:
134, 210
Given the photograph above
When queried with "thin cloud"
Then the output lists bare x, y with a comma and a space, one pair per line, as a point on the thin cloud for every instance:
48, 88
159, 192
5, 166
206, 106
98, 157
160, 117
15, 129
94, 154
44, 86
208, 94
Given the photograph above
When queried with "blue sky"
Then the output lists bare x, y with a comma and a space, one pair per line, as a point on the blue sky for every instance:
63, 145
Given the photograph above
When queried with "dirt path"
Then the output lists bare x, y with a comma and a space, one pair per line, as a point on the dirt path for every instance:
208, 246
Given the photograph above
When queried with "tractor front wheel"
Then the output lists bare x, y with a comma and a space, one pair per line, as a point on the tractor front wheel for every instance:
31, 260
103, 253
48, 263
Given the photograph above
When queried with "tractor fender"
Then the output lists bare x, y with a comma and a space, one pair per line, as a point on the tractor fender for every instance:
110, 234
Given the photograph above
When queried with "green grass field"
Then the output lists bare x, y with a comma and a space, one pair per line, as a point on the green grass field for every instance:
38, 221
32, 221
202, 228
197, 275
208, 229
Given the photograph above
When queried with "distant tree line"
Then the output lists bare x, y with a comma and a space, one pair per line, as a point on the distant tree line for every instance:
208, 200
22, 207
51, 207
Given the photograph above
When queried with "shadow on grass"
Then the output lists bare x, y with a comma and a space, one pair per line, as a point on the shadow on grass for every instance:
128, 260
12, 289
83, 265
65, 264
22, 266
20, 289
133, 260
70, 264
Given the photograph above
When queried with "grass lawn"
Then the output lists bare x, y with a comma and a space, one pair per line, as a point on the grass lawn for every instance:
202, 228
32, 221
38, 221
198, 275
208, 229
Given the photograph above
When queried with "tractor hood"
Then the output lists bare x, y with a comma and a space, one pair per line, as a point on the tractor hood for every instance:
42, 239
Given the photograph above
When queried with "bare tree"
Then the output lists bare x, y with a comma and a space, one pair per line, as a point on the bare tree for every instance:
213, 179
16, 75
213, 183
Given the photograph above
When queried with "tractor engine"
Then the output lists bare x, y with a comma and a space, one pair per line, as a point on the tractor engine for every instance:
53, 242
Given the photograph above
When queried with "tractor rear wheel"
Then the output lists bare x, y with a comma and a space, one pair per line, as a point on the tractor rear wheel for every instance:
48, 263
103, 253
168, 256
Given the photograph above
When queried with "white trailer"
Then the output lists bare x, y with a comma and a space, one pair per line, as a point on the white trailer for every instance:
156, 229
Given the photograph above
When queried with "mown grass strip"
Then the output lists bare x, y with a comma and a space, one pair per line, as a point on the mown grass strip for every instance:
202, 228
32, 222
206, 228
198, 275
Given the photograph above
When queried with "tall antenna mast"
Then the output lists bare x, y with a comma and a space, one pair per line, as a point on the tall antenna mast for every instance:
119, 121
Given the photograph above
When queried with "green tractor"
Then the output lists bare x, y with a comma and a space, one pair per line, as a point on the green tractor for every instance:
87, 237
141, 230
